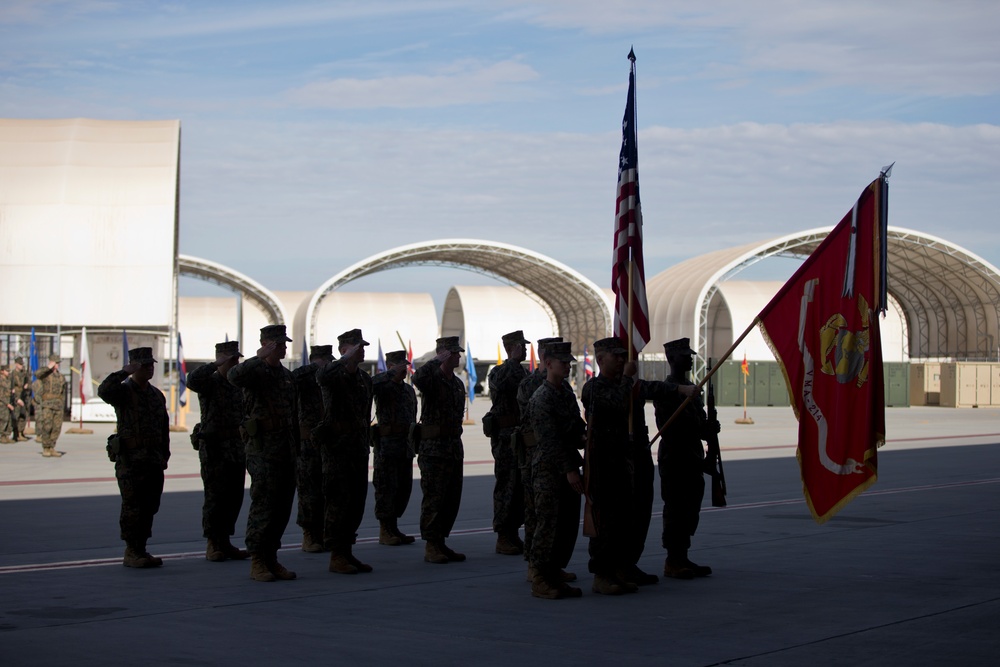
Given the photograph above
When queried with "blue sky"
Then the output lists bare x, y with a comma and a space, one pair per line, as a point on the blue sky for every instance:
315, 134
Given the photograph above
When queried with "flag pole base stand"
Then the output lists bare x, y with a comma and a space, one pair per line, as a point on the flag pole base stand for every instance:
79, 431
744, 420
467, 422
29, 430
178, 429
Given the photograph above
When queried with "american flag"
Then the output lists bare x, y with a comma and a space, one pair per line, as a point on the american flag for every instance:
628, 235
588, 366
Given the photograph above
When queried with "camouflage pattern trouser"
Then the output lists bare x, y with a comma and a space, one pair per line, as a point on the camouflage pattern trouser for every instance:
392, 478
642, 503
48, 426
557, 518
272, 490
682, 487
508, 491
19, 418
345, 488
310, 486
224, 480
527, 481
141, 486
4, 420
611, 493
441, 484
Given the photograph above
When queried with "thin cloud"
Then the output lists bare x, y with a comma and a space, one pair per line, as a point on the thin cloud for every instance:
462, 83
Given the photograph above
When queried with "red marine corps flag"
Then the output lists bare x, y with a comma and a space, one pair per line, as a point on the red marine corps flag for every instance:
823, 326
628, 276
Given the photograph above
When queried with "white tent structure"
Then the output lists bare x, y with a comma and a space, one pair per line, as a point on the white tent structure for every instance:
101, 198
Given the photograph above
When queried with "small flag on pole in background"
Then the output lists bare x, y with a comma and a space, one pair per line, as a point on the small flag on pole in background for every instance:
380, 364
470, 369
86, 373
531, 360
182, 396
745, 367
305, 352
33, 355
588, 367
124, 348
499, 358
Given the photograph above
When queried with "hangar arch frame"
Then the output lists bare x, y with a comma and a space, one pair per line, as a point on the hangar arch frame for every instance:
218, 274
949, 297
579, 309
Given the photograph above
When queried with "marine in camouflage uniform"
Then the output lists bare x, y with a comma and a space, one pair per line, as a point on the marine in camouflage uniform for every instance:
49, 389
144, 449
524, 445
220, 450
21, 391
681, 460
309, 467
271, 436
440, 455
345, 442
396, 412
610, 478
508, 491
555, 419
6, 406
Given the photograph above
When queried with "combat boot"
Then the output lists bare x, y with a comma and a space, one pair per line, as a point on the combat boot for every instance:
279, 570
403, 537
506, 547
55, 453
259, 570
136, 558
46, 452
563, 575
698, 570
605, 585
433, 552
214, 551
232, 552
633, 575
309, 543
532, 571
386, 536
362, 567
451, 554
4, 440
340, 563
542, 587
677, 569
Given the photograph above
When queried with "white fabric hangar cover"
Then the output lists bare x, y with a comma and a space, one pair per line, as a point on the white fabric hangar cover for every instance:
88, 221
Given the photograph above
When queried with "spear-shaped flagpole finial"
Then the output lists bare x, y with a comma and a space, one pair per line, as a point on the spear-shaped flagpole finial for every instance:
631, 54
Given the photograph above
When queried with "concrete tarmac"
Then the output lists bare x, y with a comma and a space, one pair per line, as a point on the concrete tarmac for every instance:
905, 575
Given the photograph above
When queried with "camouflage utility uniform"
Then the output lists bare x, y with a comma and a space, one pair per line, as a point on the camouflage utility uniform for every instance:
310, 459
508, 491
5, 399
441, 454
554, 415
271, 428
144, 436
220, 450
347, 407
20, 389
681, 460
395, 411
49, 389
524, 450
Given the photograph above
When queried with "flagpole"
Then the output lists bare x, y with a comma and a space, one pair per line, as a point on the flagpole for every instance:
708, 376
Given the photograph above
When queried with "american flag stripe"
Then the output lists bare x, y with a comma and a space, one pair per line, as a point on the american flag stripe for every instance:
628, 235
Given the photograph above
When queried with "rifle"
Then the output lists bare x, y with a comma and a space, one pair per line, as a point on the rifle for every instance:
713, 463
